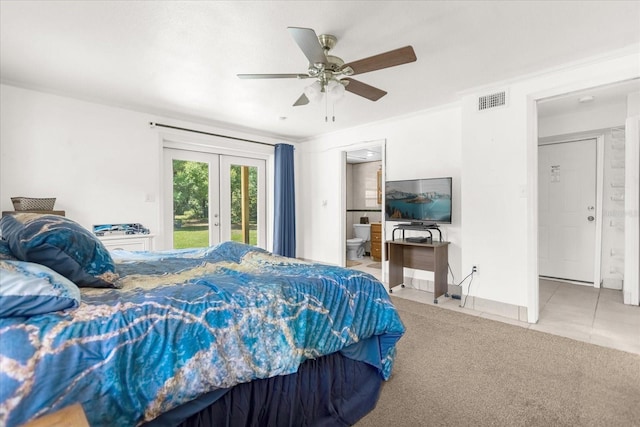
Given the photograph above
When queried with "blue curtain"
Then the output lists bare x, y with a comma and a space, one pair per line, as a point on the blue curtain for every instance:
284, 230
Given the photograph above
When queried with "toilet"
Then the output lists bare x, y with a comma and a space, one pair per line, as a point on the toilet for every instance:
356, 246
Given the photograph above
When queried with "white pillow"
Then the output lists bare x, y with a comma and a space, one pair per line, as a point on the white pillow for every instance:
28, 289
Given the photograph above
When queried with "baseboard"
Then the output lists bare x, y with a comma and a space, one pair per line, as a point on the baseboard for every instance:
610, 283
497, 308
427, 286
510, 311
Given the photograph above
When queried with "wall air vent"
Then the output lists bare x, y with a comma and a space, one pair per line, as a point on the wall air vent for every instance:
497, 99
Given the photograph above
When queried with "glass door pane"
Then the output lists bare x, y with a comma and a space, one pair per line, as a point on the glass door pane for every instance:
242, 200
244, 204
191, 203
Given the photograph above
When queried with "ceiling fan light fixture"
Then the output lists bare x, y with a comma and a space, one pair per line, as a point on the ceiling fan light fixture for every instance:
314, 91
335, 90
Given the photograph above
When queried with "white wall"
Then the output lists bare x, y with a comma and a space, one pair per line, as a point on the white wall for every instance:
492, 156
422, 145
608, 116
102, 163
633, 104
499, 178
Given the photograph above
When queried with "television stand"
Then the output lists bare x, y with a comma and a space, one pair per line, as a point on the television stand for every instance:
417, 226
421, 256
421, 224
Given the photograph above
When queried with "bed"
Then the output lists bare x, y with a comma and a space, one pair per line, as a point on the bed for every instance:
226, 335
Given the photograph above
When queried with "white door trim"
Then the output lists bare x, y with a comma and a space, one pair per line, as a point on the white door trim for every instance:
214, 145
533, 287
343, 199
631, 284
597, 273
631, 167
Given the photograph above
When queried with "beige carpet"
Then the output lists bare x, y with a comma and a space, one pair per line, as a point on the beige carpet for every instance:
375, 265
351, 263
454, 369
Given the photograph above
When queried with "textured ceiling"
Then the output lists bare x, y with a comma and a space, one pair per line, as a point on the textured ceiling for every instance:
181, 58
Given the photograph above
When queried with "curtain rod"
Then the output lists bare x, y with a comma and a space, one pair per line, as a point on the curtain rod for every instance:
208, 133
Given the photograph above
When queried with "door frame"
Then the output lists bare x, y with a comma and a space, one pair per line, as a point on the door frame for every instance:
186, 141
382, 143
631, 286
531, 112
599, 137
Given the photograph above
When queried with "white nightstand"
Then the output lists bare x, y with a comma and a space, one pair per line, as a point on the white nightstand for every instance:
132, 242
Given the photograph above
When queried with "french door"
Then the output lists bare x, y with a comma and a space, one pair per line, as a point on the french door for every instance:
212, 198
242, 194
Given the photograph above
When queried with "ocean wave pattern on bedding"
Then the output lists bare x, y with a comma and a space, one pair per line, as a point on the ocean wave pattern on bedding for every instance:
188, 322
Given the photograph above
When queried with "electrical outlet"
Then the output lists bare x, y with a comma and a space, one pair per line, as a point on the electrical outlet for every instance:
475, 269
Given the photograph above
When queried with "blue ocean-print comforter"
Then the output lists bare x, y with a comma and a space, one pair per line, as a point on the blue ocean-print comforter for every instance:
187, 322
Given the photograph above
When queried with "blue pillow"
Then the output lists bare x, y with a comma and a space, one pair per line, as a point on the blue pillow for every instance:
5, 252
62, 245
27, 289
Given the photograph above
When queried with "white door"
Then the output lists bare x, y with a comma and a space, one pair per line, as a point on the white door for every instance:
191, 199
211, 198
567, 206
242, 200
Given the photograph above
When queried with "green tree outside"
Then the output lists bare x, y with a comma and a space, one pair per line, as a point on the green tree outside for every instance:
191, 204
191, 189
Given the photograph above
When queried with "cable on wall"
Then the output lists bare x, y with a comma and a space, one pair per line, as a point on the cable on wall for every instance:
468, 288
153, 124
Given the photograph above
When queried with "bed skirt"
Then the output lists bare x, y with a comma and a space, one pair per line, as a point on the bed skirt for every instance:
333, 390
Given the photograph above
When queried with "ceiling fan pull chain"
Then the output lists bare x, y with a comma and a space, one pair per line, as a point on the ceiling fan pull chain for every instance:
326, 107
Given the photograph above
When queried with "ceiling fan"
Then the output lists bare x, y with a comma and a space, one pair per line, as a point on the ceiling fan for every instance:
331, 73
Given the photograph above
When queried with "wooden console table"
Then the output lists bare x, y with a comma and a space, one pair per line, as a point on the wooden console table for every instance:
421, 256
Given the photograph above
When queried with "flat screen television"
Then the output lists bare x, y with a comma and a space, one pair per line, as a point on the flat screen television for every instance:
420, 201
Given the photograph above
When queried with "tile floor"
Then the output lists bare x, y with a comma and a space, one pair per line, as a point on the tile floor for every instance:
583, 313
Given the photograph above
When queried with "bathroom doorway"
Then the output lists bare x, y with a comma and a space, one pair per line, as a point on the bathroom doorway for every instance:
363, 197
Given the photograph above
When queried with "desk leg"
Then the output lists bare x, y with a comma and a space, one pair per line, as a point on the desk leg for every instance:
396, 262
441, 260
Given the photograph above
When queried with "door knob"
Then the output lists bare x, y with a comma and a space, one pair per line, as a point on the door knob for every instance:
591, 218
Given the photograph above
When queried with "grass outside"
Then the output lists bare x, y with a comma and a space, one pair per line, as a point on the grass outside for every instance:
193, 236
197, 236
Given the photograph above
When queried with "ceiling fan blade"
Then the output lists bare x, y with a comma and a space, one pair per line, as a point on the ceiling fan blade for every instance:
384, 60
303, 100
273, 76
308, 42
364, 90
